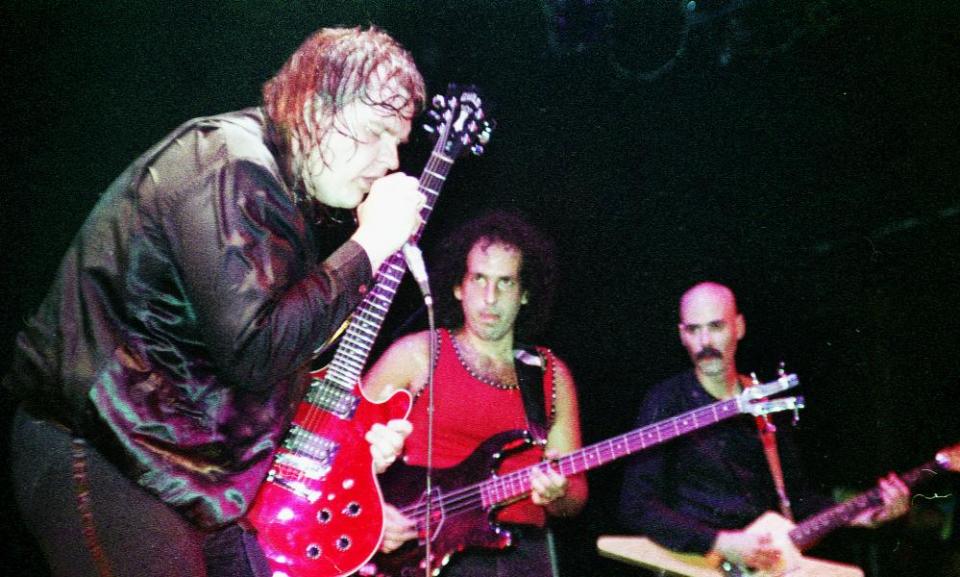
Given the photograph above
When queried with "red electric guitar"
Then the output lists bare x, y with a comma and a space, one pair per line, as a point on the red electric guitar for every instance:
319, 512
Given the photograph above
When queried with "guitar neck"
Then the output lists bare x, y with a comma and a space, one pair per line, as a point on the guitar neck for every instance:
516, 484
351, 356
815, 528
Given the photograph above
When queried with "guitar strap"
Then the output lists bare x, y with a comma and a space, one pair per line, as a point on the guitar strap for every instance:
534, 368
768, 436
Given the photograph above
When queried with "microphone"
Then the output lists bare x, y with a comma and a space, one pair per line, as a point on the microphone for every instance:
414, 259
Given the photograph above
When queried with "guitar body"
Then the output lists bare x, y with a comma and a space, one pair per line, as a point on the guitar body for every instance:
456, 524
645, 553
778, 527
331, 521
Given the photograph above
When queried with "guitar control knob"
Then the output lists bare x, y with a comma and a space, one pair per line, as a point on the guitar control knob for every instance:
344, 543
324, 516
313, 551
352, 509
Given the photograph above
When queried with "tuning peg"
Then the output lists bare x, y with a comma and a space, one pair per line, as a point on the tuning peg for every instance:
434, 119
477, 149
487, 130
439, 101
782, 369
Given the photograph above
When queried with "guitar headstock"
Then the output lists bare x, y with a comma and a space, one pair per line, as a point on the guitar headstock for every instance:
949, 458
761, 408
773, 387
753, 399
458, 119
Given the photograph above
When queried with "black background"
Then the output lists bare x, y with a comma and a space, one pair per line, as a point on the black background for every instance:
803, 152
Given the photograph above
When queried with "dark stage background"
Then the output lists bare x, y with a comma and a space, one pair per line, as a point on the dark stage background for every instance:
804, 152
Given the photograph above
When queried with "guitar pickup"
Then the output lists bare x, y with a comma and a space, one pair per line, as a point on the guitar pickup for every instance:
308, 453
333, 398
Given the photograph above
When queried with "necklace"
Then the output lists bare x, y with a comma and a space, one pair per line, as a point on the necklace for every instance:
476, 374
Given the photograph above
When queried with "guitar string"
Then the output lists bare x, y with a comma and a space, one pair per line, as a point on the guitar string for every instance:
473, 499
603, 449
383, 284
465, 498
430, 184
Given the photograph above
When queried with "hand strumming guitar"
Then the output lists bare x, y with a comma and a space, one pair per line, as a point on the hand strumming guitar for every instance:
743, 548
397, 529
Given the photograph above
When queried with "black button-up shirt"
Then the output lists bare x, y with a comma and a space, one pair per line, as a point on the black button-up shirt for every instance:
683, 492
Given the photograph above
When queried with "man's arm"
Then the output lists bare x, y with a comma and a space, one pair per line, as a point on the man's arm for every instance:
240, 245
562, 497
405, 365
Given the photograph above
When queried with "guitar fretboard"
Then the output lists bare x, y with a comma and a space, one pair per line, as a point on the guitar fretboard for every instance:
348, 362
813, 529
508, 487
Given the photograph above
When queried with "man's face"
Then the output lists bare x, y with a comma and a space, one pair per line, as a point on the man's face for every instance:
359, 148
710, 328
490, 291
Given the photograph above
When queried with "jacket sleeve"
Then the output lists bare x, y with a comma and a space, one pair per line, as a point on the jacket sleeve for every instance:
242, 249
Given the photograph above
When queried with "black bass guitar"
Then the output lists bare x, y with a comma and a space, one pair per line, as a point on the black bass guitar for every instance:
464, 498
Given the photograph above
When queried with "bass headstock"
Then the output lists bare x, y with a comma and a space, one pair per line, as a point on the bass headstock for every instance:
759, 391
459, 121
766, 407
754, 399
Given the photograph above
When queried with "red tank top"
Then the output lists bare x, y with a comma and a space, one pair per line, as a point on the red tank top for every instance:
467, 411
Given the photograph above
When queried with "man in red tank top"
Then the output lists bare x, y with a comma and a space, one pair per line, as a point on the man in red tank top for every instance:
499, 271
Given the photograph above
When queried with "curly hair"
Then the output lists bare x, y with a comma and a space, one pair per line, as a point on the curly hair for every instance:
332, 68
537, 268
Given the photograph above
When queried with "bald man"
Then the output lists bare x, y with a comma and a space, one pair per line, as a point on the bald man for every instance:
697, 493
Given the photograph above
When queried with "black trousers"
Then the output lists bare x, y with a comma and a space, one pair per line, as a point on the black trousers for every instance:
133, 533
530, 555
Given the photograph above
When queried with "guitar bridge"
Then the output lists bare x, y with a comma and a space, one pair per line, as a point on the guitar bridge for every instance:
295, 487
